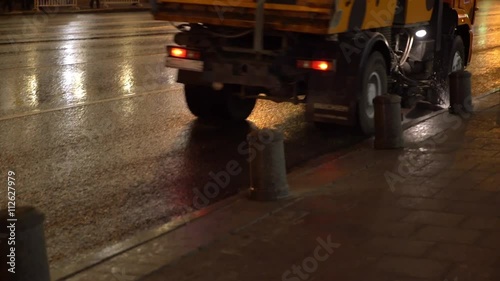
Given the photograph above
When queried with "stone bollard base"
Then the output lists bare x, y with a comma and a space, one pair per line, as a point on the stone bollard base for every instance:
268, 180
460, 92
267, 195
388, 143
27, 254
388, 127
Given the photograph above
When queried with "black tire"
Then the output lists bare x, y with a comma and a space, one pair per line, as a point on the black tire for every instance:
198, 101
206, 103
457, 49
374, 74
440, 94
235, 108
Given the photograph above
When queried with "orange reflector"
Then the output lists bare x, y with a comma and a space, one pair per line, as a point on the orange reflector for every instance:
303, 64
315, 64
193, 55
178, 52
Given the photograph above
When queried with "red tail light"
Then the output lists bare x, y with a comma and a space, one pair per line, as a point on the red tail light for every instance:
321, 65
183, 53
316, 65
178, 52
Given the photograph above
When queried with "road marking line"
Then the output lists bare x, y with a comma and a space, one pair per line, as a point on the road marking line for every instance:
95, 37
36, 112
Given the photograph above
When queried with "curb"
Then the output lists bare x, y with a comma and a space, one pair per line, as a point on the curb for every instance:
90, 261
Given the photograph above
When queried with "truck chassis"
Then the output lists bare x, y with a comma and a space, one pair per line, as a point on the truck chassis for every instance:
226, 68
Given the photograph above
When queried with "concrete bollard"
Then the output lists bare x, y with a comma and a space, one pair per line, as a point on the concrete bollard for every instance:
268, 180
388, 127
460, 92
28, 255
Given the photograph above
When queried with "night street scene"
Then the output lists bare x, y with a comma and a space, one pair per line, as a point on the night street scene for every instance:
250, 140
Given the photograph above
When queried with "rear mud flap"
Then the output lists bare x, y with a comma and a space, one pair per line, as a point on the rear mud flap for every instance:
332, 104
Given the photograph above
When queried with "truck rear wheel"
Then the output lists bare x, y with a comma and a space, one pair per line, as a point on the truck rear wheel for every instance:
374, 83
206, 103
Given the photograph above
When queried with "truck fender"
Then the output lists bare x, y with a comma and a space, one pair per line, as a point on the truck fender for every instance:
379, 43
457, 22
375, 42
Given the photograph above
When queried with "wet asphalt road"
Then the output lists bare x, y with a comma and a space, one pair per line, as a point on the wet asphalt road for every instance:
98, 135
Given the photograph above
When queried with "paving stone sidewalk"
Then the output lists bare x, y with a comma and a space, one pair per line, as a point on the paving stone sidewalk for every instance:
428, 212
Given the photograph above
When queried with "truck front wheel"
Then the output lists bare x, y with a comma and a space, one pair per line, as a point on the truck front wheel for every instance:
454, 61
457, 56
374, 83
206, 103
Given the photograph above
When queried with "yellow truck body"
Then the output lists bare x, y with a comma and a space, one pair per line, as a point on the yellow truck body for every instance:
307, 16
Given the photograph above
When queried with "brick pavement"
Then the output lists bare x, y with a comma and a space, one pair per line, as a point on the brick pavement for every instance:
429, 212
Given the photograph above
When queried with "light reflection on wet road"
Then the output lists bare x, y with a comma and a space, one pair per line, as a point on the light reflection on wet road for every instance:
485, 65
97, 131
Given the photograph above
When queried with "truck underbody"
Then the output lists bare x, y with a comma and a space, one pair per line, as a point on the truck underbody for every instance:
335, 75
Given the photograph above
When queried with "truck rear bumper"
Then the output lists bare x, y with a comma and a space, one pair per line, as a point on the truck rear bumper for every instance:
184, 64
338, 110
245, 74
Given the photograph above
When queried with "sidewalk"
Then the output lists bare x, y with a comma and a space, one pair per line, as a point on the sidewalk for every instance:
429, 212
